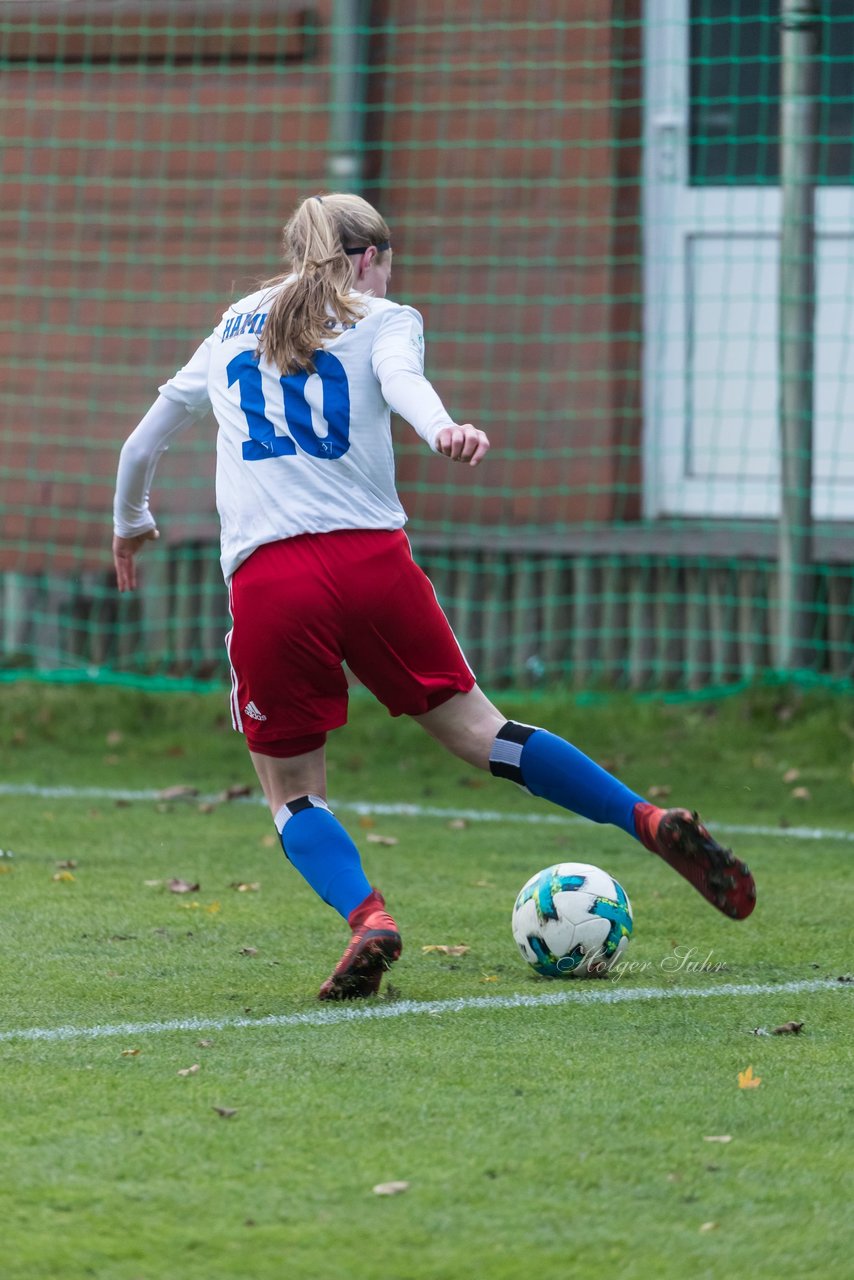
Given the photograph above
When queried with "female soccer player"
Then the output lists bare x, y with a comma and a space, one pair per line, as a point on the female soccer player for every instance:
301, 377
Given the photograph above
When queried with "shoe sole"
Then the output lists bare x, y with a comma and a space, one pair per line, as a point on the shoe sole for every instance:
716, 873
365, 968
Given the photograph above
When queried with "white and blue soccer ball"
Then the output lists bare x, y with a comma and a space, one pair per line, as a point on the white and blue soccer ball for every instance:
572, 920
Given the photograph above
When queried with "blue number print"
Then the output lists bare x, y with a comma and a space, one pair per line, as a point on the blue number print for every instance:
336, 408
264, 441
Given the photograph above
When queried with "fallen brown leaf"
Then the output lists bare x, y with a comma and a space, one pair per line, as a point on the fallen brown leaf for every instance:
457, 824
236, 792
178, 793
366, 821
788, 1029
130, 1053
791, 775
114, 737
720, 1137
66, 864
182, 886
226, 1112
801, 793
658, 792
708, 1226
390, 1188
248, 951
205, 1044
242, 887
64, 877
446, 950
374, 837
190, 1071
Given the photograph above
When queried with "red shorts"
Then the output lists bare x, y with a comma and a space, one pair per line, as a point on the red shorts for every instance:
303, 606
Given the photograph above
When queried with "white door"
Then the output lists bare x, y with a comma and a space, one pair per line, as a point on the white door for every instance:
711, 248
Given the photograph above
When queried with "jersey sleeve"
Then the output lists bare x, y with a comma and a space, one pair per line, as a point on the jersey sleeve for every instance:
397, 357
137, 463
189, 386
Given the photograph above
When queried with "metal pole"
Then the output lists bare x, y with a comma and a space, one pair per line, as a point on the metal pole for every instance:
800, 39
347, 106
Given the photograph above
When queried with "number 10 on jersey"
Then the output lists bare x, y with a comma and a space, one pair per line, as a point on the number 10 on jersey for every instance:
264, 440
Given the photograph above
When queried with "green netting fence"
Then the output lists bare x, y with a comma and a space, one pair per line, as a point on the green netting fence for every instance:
626, 277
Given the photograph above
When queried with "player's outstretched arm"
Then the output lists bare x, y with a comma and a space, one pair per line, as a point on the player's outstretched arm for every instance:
462, 444
124, 557
137, 464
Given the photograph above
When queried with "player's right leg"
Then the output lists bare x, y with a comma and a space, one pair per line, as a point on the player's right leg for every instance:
549, 766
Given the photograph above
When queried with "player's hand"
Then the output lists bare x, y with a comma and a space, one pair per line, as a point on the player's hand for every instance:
462, 444
124, 557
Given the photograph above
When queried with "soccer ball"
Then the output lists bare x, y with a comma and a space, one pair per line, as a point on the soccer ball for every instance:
572, 921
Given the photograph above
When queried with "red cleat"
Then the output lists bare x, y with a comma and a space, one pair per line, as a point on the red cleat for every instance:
679, 837
373, 949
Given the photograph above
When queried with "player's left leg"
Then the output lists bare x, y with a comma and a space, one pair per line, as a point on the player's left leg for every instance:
321, 850
549, 766
288, 690
313, 839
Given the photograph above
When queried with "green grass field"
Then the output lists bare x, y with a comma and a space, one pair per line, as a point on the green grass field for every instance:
551, 1129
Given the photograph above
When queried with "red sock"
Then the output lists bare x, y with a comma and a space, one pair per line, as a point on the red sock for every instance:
373, 908
647, 818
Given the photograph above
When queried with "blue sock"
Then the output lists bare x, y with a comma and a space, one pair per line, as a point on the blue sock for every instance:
323, 853
553, 768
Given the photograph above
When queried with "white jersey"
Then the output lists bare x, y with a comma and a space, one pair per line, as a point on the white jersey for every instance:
305, 453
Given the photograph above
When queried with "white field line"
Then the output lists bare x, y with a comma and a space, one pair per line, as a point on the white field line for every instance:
593, 993
369, 808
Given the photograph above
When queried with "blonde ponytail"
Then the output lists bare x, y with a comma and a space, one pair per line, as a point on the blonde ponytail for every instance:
319, 297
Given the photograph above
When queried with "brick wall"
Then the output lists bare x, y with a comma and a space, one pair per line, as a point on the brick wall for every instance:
146, 178
145, 188
523, 256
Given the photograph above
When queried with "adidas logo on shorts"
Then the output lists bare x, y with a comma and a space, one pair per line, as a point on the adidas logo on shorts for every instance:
251, 710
